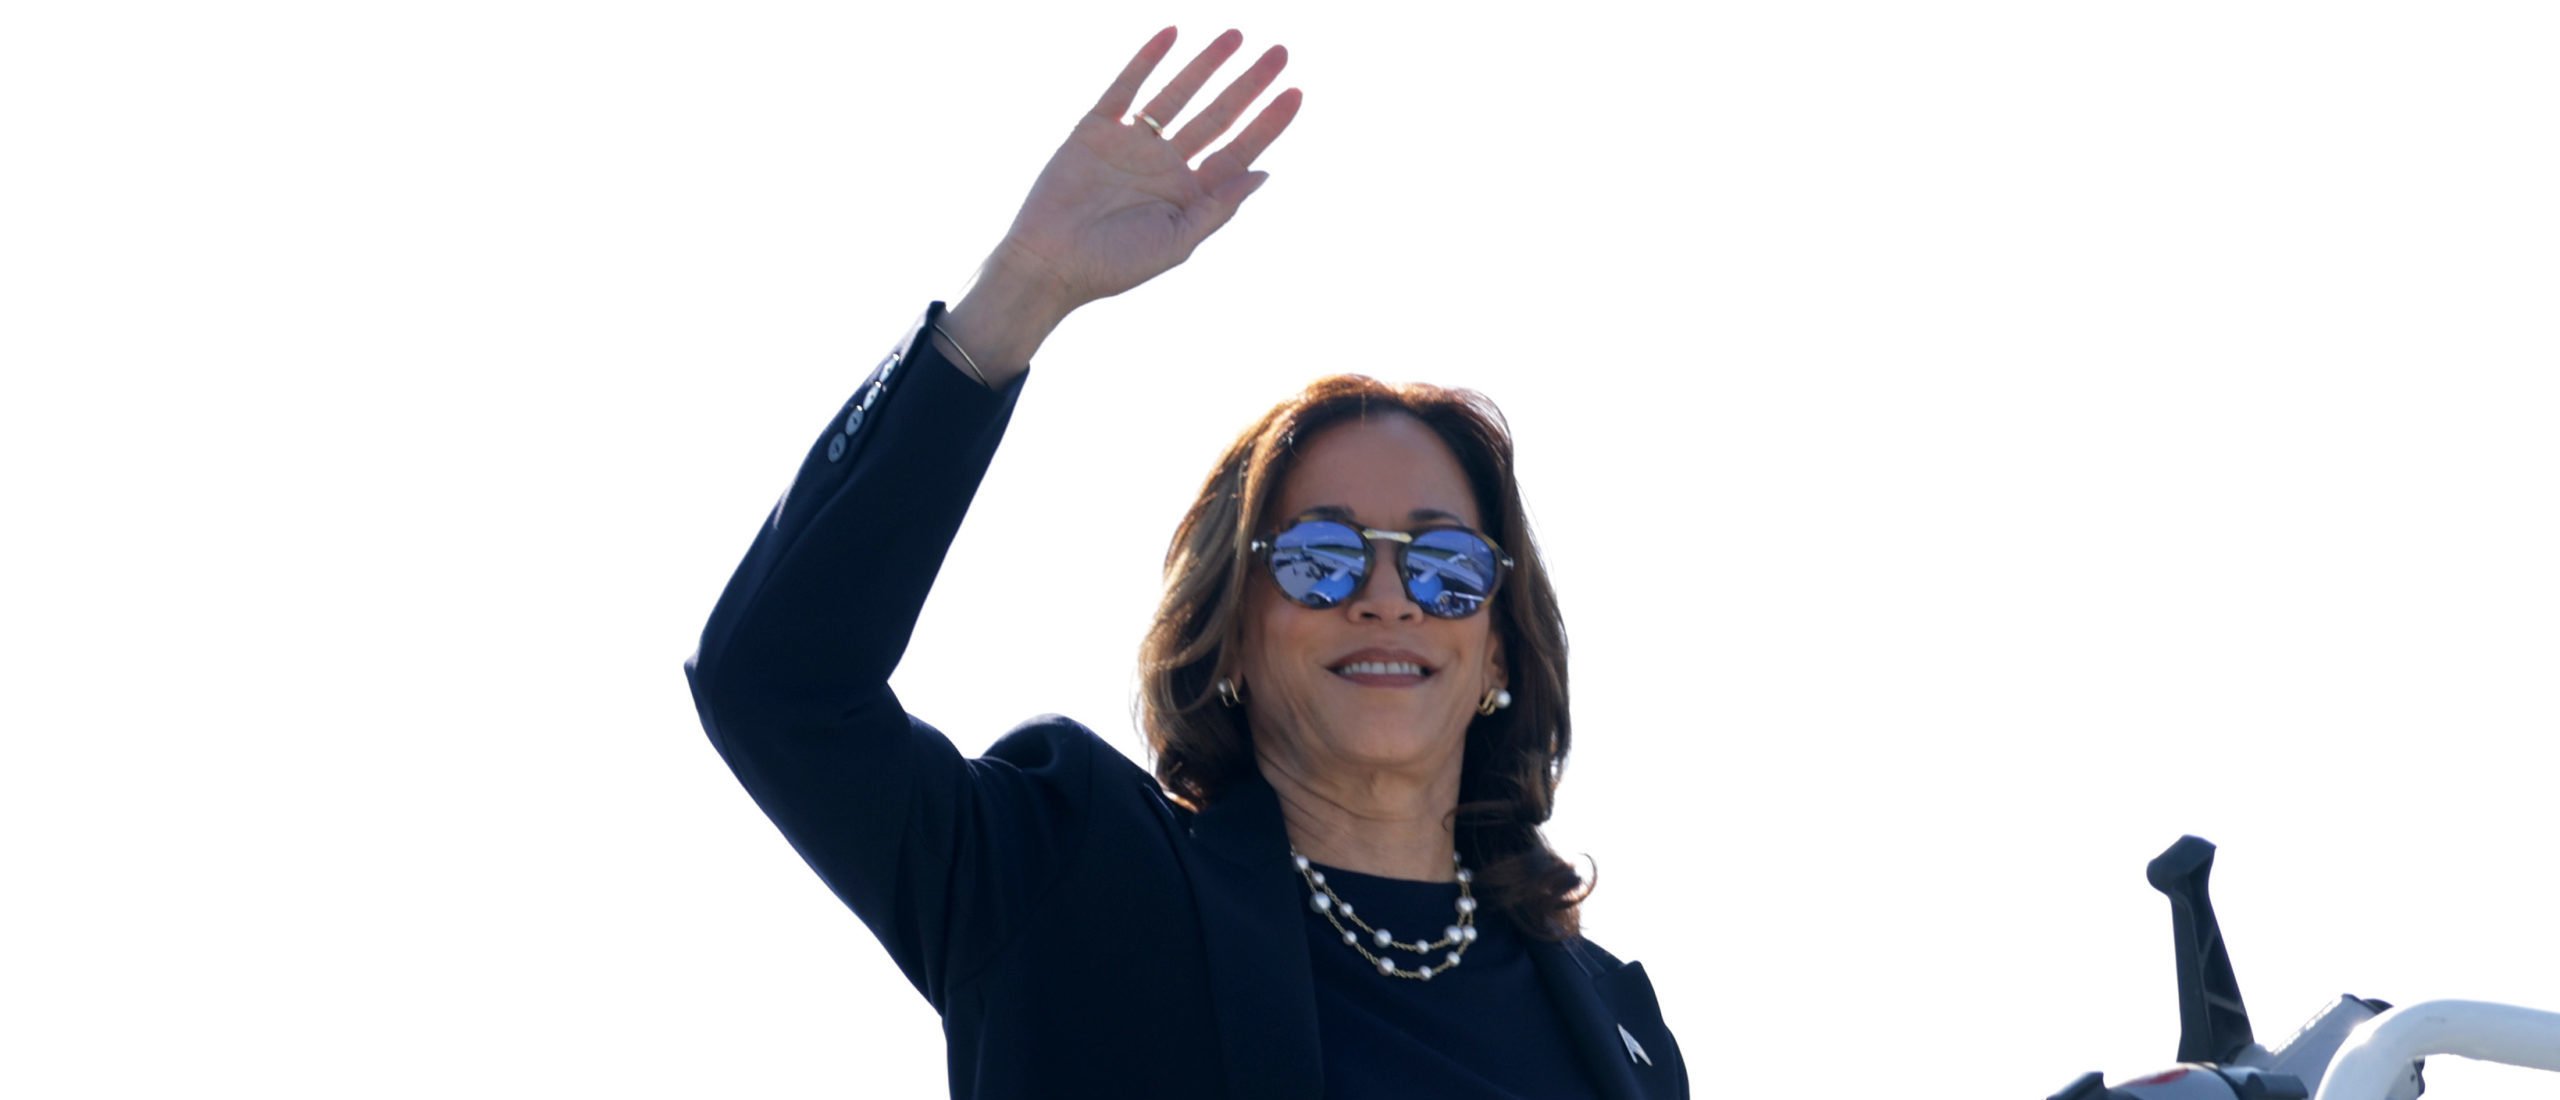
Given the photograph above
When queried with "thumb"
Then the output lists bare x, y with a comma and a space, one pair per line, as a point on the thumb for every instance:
1211, 216
1232, 193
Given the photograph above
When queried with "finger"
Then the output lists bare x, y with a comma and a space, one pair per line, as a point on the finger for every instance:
1185, 84
1262, 131
1221, 112
1115, 101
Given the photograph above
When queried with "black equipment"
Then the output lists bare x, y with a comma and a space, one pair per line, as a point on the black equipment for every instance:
2219, 1056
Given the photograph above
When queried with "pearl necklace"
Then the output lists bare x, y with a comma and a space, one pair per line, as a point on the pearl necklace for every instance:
1456, 938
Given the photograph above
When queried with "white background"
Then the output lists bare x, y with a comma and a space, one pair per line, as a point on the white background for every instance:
1976, 443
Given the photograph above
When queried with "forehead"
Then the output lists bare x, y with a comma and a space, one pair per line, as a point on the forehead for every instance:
1383, 469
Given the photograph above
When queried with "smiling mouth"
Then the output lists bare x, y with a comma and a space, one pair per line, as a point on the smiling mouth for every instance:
1394, 670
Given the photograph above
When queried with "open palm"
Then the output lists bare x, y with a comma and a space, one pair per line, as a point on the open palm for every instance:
1120, 203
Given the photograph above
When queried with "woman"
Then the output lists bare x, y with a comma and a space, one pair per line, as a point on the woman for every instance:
1355, 691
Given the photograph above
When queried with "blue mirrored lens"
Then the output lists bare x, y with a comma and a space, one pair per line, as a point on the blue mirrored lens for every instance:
1318, 563
1450, 573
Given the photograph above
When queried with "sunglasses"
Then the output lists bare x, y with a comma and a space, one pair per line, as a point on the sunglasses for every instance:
1448, 571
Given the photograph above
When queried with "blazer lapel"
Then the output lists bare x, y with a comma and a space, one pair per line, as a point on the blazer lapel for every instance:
1591, 1023
1260, 979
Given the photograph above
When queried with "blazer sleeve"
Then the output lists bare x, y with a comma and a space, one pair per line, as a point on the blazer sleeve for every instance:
939, 854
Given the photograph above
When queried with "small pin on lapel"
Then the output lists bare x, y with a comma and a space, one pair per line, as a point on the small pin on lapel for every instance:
1635, 1050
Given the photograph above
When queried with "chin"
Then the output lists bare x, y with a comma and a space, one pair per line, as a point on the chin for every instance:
1388, 743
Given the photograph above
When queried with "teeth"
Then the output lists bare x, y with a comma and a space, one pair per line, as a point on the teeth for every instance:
1380, 668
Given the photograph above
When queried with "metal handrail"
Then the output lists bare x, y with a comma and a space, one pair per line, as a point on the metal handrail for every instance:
2379, 1050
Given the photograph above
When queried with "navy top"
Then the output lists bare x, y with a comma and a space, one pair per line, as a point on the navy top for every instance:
1482, 1029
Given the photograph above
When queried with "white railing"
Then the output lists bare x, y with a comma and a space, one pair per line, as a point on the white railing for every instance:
2378, 1052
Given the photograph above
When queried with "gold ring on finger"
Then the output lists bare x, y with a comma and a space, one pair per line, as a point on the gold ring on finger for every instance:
1151, 122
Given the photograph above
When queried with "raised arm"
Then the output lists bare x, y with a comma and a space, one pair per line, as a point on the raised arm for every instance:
1118, 204
943, 857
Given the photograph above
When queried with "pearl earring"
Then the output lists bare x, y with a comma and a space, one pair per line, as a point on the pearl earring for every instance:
1228, 694
1494, 700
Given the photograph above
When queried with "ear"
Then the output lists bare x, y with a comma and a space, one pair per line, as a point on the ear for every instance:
1497, 671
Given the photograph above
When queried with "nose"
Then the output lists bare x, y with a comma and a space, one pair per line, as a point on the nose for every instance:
1381, 596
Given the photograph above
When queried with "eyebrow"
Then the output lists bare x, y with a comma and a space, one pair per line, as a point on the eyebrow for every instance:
1418, 515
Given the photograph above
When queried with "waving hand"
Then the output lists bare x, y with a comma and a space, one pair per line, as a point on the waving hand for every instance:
1120, 202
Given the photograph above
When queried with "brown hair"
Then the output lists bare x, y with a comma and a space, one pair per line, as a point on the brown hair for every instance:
1513, 758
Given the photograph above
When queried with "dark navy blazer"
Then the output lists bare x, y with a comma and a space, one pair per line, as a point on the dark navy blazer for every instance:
1080, 934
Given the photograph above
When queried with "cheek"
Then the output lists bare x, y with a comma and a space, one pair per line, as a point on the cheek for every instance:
1263, 635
